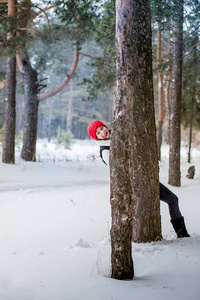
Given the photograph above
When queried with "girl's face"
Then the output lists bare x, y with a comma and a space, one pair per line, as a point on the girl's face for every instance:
102, 133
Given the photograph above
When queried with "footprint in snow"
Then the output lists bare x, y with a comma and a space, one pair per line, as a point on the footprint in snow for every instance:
79, 244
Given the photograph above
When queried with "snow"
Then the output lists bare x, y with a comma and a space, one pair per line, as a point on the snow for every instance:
54, 231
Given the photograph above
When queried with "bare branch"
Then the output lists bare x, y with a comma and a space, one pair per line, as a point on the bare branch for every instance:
44, 11
40, 12
27, 29
43, 79
87, 55
2, 84
191, 47
58, 89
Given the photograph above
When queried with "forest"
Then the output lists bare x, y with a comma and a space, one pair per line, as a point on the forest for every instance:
49, 34
131, 64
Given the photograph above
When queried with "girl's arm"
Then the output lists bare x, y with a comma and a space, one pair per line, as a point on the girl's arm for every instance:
105, 156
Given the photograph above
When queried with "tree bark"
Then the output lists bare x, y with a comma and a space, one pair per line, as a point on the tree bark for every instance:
49, 134
133, 156
191, 127
19, 120
168, 83
160, 96
175, 107
28, 152
193, 96
10, 116
144, 160
70, 109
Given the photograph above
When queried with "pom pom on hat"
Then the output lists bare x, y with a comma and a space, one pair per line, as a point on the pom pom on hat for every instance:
92, 128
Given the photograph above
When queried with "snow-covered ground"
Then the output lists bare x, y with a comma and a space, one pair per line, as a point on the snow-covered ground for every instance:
54, 232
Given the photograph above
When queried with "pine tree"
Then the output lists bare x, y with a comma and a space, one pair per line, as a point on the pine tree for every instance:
190, 110
133, 158
78, 16
10, 115
175, 106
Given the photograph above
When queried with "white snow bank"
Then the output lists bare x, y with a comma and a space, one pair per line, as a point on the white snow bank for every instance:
54, 232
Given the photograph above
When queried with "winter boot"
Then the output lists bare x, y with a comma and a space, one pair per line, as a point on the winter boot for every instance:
179, 227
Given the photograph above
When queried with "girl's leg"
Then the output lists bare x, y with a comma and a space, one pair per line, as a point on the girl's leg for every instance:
176, 218
172, 200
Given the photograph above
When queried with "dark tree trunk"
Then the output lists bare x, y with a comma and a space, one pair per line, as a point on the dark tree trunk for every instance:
191, 127
19, 119
133, 156
49, 132
70, 108
10, 116
159, 137
175, 107
168, 84
160, 95
193, 96
32, 99
144, 160
28, 152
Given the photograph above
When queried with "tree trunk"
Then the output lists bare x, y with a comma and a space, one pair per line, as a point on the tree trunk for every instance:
168, 83
19, 120
70, 108
159, 137
31, 88
10, 117
175, 107
133, 156
190, 132
28, 152
193, 87
160, 96
32, 99
50, 121
144, 160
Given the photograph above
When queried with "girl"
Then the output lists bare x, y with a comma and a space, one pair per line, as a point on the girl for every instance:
99, 132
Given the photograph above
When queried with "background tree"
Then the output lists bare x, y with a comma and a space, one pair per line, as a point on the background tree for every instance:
168, 77
160, 94
190, 110
84, 111
161, 24
9, 124
104, 77
164, 13
175, 106
78, 15
2, 89
48, 47
31, 89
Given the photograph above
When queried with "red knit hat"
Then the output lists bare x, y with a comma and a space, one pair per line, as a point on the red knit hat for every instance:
92, 128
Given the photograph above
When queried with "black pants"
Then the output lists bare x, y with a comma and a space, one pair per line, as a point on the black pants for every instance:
172, 200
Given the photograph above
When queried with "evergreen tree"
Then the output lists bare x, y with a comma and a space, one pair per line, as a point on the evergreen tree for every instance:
175, 107
10, 114
83, 111
190, 110
79, 17
2, 89
104, 76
